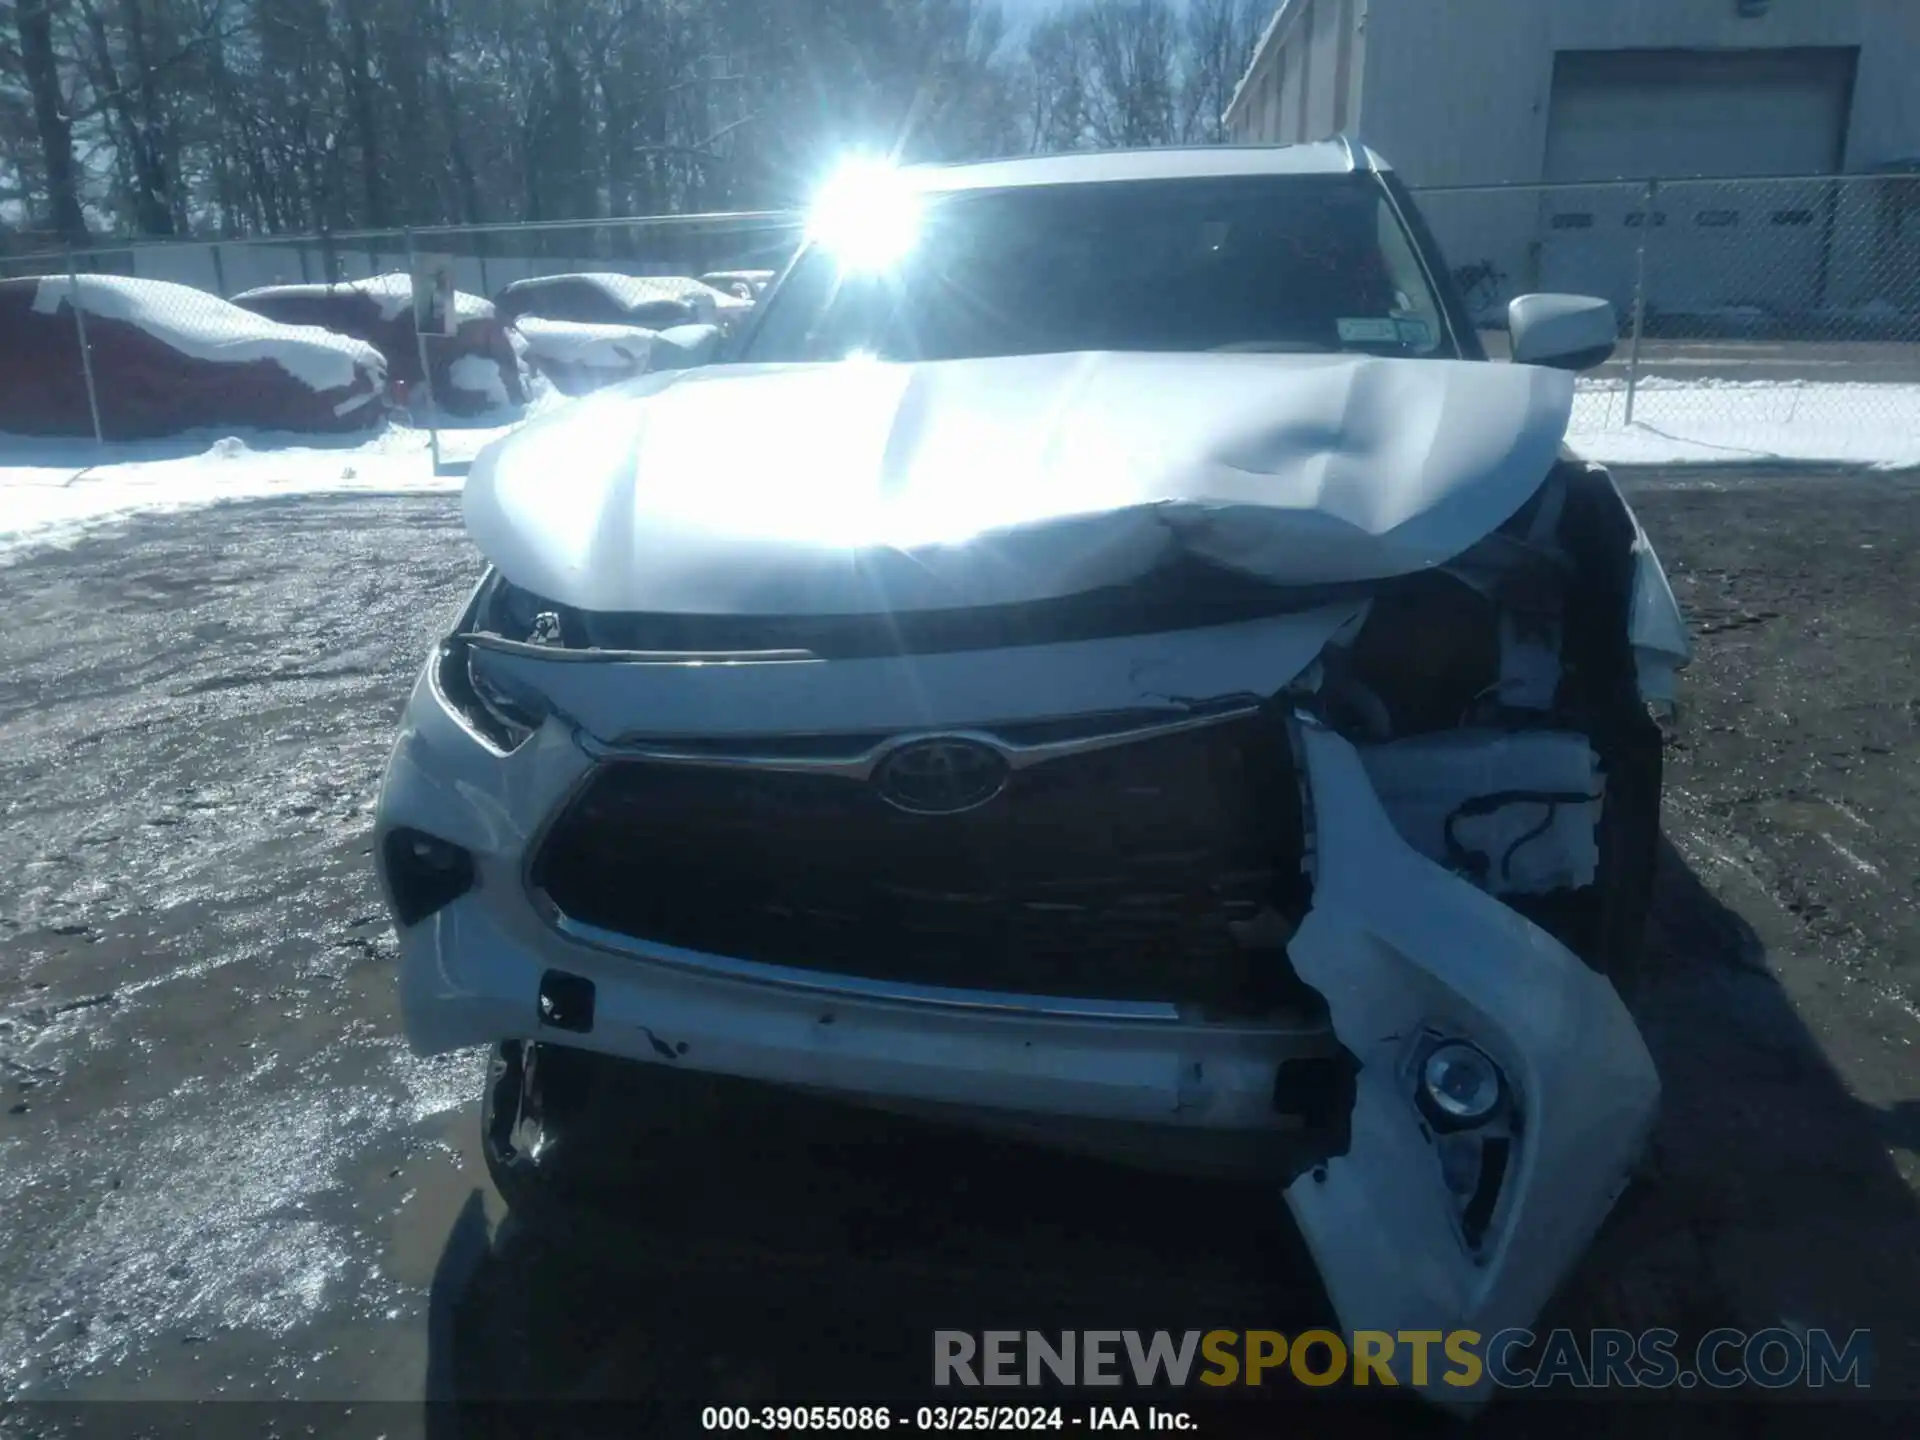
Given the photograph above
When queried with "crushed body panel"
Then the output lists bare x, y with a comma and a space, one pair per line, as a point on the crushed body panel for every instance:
957, 484
1403, 951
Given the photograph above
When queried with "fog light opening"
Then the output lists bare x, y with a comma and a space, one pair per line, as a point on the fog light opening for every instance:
425, 873
1459, 1086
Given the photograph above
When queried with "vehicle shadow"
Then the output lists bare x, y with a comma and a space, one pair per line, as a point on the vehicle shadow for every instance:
1762, 1159
830, 1294
1770, 1199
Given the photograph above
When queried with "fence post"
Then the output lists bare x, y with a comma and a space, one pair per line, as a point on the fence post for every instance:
1640, 295
86, 354
219, 269
420, 341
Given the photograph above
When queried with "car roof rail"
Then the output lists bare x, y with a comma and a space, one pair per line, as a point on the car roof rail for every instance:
1358, 156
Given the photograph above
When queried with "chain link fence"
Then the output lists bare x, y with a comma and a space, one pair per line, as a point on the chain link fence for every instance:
1765, 316
1776, 316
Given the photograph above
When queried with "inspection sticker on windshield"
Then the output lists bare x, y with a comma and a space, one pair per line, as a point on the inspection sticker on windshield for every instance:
1367, 331
1414, 332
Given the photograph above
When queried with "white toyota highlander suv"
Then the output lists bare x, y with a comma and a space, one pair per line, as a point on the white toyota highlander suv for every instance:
1107, 659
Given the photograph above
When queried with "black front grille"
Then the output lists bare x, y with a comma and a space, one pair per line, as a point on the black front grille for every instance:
1116, 874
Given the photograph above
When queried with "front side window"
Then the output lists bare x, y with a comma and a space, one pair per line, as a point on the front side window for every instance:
1279, 264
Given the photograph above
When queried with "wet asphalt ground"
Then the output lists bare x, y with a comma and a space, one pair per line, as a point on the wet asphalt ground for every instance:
222, 1175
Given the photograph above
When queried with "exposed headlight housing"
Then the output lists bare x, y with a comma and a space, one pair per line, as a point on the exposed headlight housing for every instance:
512, 613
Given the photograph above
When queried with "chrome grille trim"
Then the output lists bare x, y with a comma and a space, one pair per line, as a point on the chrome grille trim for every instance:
860, 765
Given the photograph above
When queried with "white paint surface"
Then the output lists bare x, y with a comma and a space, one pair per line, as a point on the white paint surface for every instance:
845, 489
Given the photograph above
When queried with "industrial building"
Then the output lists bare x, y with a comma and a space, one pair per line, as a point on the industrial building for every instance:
1459, 93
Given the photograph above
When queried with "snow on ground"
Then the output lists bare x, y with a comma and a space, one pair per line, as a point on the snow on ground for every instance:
208, 328
392, 292
1692, 421
51, 490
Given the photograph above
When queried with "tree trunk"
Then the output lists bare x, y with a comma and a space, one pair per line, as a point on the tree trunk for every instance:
34, 21
356, 70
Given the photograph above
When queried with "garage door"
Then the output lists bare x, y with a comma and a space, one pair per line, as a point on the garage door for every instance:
1635, 114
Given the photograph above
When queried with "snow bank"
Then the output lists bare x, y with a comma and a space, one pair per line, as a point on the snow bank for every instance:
567, 342
1689, 421
208, 328
392, 292
52, 491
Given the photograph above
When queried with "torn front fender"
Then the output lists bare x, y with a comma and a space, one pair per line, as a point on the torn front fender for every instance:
1408, 955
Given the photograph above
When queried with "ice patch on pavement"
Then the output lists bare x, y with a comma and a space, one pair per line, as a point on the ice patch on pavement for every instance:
214, 1211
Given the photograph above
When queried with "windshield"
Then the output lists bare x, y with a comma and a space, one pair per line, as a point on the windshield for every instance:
1282, 263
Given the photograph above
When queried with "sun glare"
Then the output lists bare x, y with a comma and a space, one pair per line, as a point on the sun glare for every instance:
865, 214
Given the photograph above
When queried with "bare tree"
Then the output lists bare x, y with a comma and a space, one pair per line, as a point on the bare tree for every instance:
33, 23
1220, 37
247, 116
1055, 85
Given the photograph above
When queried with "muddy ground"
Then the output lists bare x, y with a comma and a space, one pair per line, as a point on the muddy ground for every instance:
223, 1175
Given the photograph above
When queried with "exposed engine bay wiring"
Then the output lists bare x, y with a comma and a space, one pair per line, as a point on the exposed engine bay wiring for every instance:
1472, 862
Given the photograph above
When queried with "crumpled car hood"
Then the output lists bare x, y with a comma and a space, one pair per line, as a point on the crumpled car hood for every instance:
861, 487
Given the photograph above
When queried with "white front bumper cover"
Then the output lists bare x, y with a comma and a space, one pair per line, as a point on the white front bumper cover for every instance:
1404, 952
1407, 954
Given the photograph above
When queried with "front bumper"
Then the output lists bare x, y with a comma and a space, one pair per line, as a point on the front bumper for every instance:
471, 973
1402, 951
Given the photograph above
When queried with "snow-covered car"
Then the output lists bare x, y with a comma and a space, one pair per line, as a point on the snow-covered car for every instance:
651, 302
168, 358
474, 369
1115, 665
580, 358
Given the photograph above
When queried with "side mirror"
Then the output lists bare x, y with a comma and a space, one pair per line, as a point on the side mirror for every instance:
1562, 332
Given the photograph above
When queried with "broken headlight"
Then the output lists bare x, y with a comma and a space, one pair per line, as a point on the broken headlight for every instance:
513, 613
504, 717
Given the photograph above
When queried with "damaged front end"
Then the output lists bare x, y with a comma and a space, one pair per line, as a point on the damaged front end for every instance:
1480, 891
1364, 863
